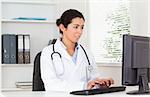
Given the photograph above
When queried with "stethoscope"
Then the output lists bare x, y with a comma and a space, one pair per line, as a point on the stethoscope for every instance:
90, 67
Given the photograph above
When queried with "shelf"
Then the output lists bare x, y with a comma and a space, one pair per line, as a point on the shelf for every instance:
27, 21
17, 65
29, 2
11, 11
15, 89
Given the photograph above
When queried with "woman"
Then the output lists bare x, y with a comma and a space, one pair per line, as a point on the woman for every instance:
74, 68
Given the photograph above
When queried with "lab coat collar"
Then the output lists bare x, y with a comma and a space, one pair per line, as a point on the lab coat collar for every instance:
76, 45
61, 48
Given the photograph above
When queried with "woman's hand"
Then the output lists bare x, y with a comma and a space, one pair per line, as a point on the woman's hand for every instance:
100, 82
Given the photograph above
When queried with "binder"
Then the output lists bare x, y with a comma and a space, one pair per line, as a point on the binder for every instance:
9, 48
20, 49
5, 48
13, 48
27, 49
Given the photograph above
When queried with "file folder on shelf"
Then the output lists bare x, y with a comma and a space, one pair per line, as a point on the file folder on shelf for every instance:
27, 49
20, 49
5, 49
13, 48
9, 49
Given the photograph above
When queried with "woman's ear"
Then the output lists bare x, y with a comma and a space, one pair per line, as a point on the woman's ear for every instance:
62, 28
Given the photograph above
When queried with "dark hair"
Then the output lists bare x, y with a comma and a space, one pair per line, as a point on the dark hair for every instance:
67, 16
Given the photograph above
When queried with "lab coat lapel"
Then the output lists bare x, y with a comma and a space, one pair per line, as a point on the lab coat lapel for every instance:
71, 68
78, 72
80, 56
62, 50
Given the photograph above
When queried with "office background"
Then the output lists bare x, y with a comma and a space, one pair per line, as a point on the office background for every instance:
140, 23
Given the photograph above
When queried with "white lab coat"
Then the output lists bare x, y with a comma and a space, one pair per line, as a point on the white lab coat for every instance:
74, 76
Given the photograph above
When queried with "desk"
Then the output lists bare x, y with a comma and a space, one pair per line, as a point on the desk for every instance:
55, 94
64, 94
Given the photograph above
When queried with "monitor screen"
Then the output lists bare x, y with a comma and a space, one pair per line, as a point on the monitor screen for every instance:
136, 62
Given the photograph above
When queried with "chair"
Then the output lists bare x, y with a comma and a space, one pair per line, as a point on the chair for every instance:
37, 82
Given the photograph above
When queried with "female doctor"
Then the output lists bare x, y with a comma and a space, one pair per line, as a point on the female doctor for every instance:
67, 65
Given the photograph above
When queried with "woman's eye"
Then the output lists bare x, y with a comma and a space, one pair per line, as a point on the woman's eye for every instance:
75, 27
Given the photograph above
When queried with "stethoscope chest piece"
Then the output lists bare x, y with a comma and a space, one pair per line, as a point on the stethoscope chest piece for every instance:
90, 68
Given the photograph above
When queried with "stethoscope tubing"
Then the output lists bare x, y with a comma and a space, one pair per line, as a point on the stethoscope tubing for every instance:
90, 68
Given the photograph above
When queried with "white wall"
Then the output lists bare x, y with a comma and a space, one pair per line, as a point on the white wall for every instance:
16, 73
114, 72
139, 17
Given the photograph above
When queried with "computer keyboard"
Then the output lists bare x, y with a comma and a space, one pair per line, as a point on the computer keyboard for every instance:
101, 90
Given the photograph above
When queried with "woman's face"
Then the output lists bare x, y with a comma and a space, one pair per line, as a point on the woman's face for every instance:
74, 30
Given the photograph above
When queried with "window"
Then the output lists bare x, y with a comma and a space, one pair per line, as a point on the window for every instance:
109, 20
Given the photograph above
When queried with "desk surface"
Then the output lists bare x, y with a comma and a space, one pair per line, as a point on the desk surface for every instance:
54, 94
63, 94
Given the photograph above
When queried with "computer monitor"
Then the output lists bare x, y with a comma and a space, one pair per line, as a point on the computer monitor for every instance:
136, 63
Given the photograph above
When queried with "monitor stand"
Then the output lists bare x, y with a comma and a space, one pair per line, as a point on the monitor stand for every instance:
143, 86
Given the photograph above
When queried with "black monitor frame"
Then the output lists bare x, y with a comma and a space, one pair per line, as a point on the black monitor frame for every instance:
136, 63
